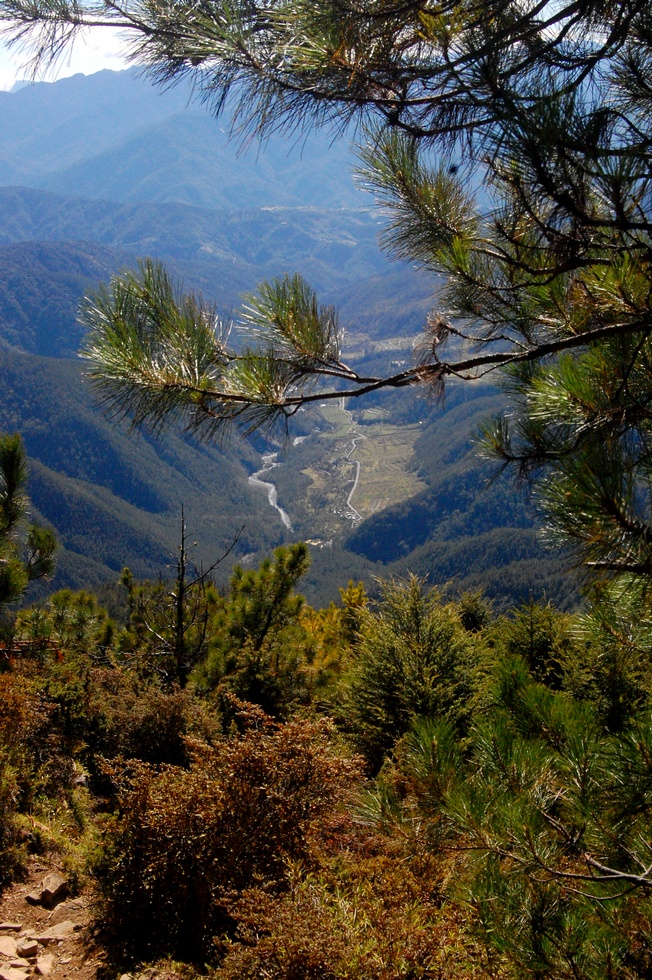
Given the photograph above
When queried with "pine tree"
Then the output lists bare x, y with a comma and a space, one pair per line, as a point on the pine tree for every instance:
257, 639
548, 812
26, 550
413, 659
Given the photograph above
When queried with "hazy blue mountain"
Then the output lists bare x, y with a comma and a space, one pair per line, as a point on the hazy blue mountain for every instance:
49, 126
113, 136
227, 253
97, 171
189, 159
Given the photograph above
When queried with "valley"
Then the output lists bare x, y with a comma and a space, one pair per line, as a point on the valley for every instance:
390, 485
351, 469
325, 493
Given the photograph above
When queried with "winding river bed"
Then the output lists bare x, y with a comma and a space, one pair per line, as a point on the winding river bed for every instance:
269, 462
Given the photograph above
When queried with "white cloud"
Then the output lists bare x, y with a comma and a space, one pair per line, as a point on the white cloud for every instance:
96, 50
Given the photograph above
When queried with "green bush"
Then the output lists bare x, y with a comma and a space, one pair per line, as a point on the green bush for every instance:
413, 658
543, 637
555, 814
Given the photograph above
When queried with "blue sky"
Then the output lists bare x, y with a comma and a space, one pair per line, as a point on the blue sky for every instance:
96, 50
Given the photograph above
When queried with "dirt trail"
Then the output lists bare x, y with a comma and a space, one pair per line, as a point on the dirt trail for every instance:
38, 942
59, 939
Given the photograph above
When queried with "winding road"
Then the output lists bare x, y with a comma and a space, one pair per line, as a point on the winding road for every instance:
355, 515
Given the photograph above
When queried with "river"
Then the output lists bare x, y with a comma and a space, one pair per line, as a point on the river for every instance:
269, 462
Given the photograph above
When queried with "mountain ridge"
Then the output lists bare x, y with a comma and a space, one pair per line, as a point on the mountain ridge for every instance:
114, 503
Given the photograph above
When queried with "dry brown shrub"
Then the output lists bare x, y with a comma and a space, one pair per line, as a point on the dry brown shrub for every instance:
189, 842
31, 762
136, 721
376, 918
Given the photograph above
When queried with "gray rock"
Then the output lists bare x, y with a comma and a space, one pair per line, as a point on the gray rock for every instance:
55, 888
52, 935
8, 946
45, 965
11, 973
27, 947
75, 910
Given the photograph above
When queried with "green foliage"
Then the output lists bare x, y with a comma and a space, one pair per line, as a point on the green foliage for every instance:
257, 639
354, 600
600, 656
330, 635
169, 622
158, 354
413, 658
611, 664
189, 841
541, 636
68, 624
585, 440
475, 610
554, 810
31, 558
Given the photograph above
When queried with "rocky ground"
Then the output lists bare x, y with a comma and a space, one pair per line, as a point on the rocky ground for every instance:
45, 932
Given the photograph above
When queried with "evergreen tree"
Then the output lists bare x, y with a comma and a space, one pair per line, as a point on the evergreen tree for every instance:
170, 621
26, 550
551, 811
413, 659
257, 639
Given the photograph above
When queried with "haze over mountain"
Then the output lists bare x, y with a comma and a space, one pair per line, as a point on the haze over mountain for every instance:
97, 171
112, 136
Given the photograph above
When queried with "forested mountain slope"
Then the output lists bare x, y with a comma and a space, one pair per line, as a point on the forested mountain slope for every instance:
116, 498
113, 136
227, 253
101, 188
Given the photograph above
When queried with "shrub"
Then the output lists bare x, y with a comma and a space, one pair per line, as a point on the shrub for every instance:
104, 712
31, 762
188, 841
11, 855
540, 635
136, 720
414, 658
368, 918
